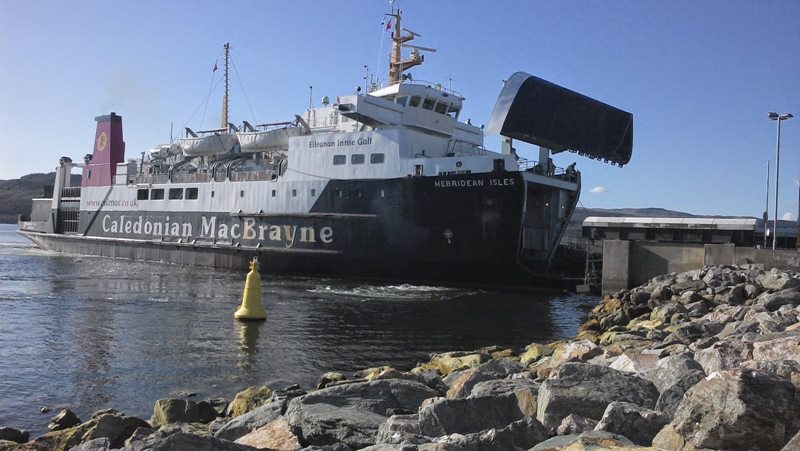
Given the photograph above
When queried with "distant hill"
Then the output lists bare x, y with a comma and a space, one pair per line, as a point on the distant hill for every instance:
16, 195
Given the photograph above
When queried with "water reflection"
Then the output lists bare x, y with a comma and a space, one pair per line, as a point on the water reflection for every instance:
249, 332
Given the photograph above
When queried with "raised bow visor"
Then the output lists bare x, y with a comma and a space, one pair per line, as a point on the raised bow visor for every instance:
539, 112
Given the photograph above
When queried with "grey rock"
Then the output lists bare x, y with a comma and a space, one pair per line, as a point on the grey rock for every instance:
112, 425
343, 447
686, 334
250, 421
401, 429
735, 296
14, 435
638, 424
665, 311
519, 435
98, 444
671, 396
692, 286
734, 410
575, 424
331, 376
794, 443
501, 368
773, 301
180, 441
176, 410
724, 355
587, 390
781, 346
462, 384
64, 420
586, 441
776, 280
467, 415
352, 413
504, 386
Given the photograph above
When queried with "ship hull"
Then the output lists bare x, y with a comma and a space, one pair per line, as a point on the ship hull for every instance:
456, 229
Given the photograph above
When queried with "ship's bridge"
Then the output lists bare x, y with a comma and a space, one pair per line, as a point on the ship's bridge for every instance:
432, 98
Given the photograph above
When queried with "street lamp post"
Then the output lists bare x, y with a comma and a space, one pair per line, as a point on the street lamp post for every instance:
777, 118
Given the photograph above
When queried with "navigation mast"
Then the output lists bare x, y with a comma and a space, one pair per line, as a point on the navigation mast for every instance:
397, 65
225, 97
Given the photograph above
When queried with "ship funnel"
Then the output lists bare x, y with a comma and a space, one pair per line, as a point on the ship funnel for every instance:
109, 149
539, 112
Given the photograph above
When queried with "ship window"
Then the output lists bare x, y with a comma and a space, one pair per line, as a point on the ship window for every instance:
175, 193
415, 101
428, 103
313, 192
157, 194
142, 194
273, 193
339, 193
294, 193
402, 100
357, 158
212, 193
191, 193
417, 169
376, 158
441, 108
452, 112
339, 159
241, 193
383, 193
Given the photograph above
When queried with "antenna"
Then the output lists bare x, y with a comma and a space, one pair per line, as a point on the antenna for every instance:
366, 78
310, 96
225, 98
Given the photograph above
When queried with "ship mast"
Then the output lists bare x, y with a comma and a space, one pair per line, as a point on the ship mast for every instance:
225, 97
397, 65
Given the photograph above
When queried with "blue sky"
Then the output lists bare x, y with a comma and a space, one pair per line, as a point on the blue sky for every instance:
699, 78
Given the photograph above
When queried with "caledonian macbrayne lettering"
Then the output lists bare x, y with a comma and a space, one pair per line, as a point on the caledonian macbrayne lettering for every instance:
472, 183
247, 230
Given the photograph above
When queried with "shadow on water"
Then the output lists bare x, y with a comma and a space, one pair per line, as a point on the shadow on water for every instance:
91, 333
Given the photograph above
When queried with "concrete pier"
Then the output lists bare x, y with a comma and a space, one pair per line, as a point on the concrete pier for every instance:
627, 264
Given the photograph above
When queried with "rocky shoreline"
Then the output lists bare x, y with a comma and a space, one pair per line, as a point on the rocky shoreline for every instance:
707, 359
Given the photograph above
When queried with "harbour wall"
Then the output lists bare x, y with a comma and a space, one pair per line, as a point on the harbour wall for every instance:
627, 264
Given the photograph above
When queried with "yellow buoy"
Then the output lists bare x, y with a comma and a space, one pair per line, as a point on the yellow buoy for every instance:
251, 308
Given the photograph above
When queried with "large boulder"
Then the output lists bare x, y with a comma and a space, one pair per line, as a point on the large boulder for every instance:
776, 280
465, 380
590, 440
634, 422
401, 429
64, 420
525, 390
174, 441
586, 390
518, 435
501, 368
735, 410
784, 346
176, 410
467, 415
352, 413
575, 424
250, 421
109, 424
774, 301
248, 399
277, 435
724, 355
14, 435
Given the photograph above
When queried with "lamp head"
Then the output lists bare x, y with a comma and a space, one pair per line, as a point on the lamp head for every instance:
773, 115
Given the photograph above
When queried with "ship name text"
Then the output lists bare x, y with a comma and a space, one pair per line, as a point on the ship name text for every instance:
363, 141
247, 230
473, 183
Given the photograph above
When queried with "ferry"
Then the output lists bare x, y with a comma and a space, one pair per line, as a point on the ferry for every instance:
386, 184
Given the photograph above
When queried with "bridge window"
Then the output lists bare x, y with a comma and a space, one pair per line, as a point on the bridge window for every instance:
357, 158
313, 192
401, 100
428, 103
339, 160
453, 112
441, 108
142, 194
415, 101
376, 158
157, 194
294, 193
191, 193
175, 193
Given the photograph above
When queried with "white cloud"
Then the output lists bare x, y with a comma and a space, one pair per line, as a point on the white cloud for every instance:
598, 189
788, 216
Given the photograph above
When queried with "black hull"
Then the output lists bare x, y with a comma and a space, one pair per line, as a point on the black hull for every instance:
464, 229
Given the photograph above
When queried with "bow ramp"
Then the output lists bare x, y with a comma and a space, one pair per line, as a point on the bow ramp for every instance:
539, 112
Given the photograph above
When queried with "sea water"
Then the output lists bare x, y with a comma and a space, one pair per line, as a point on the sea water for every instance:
88, 333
